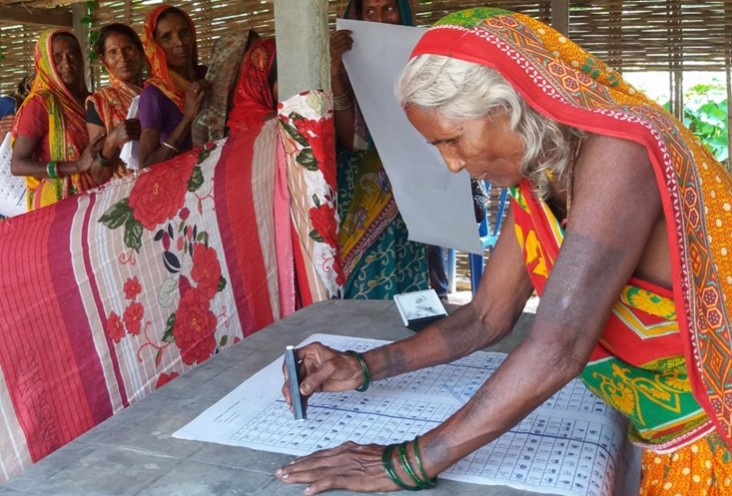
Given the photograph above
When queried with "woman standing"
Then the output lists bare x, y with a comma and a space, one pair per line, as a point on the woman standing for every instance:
173, 95
378, 259
120, 50
50, 140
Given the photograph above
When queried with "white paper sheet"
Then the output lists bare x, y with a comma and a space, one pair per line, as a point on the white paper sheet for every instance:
435, 204
574, 444
130, 153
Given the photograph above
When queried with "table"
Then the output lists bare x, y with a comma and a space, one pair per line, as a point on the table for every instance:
133, 452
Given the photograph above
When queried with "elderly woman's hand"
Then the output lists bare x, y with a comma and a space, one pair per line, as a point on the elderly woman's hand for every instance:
125, 131
324, 369
340, 41
349, 466
194, 98
89, 155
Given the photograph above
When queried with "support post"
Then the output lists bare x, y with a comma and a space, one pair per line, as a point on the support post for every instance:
560, 16
303, 54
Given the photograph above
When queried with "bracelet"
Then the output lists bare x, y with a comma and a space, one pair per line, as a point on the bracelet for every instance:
51, 169
168, 145
343, 102
103, 162
365, 368
430, 483
389, 469
408, 467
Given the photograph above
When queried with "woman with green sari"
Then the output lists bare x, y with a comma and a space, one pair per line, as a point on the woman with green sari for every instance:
378, 259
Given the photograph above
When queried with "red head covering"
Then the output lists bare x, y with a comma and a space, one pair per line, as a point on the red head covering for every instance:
253, 99
172, 84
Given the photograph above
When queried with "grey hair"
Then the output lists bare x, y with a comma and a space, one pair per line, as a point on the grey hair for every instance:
460, 90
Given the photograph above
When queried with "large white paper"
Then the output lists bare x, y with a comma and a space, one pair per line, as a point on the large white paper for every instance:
130, 153
574, 444
435, 204
12, 188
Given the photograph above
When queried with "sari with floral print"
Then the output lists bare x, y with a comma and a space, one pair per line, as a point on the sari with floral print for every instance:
67, 136
377, 257
665, 358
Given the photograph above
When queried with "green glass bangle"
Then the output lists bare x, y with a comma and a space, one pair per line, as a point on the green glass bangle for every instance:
365, 368
51, 170
432, 482
389, 469
408, 467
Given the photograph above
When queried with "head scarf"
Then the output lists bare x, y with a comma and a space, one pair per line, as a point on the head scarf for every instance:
112, 104
253, 99
406, 11
562, 81
67, 135
172, 84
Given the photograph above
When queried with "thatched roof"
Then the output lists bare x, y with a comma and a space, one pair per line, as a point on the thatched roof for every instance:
631, 35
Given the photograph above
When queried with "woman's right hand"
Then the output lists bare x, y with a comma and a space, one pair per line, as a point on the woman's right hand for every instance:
125, 131
324, 369
194, 98
340, 41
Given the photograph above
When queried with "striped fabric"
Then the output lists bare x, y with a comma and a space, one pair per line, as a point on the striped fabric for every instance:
108, 295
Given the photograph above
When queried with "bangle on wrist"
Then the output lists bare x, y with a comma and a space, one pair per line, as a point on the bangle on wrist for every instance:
52, 170
168, 145
104, 162
364, 367
343, 102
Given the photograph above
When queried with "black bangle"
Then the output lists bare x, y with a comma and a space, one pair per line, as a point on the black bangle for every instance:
365, 368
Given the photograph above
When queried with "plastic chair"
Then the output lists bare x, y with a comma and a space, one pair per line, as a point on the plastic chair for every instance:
488, 238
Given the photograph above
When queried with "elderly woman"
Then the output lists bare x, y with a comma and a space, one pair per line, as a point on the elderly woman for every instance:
618, 221
50, 140
120, 50
378, 259
173, 95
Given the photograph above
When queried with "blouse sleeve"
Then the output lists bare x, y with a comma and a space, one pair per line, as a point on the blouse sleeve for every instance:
92, 116
149, 109
33, 120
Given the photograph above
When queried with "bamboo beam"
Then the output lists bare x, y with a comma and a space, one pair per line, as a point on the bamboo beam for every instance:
58, 17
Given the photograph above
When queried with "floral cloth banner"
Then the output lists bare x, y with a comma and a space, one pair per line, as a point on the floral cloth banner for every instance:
309, 146
108, 295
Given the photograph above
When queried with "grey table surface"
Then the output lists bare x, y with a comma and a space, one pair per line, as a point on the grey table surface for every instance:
134, 452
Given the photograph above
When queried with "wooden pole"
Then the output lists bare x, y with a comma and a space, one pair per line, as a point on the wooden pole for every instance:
560, 16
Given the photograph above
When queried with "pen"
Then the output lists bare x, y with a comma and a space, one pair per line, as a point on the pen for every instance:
294, 381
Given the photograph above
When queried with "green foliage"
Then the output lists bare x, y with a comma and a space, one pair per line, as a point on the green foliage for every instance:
705, 113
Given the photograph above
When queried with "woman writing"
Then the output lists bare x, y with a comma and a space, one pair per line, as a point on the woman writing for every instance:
618, 222
120, 50
50, 140
173, 95
378, 259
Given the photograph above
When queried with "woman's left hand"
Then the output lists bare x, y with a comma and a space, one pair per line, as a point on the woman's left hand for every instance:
350, 466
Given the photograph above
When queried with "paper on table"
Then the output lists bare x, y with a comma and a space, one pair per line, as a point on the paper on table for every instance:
574, 444
130, 153
436, 205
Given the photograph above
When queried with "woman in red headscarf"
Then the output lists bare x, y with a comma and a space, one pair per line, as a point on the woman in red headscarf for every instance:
172, 97
51, 148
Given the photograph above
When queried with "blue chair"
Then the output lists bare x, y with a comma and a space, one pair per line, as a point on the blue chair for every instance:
488, 239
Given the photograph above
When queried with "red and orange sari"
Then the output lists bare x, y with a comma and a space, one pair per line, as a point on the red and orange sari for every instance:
664, 358
66, 128
169, 82
112, 104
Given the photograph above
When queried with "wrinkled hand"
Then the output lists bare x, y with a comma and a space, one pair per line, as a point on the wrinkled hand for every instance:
340, 41
125, 131
349, 466
194, 98
89, 155
323, 369
6, 124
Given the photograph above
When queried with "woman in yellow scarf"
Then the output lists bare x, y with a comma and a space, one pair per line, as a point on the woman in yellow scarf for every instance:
50, 140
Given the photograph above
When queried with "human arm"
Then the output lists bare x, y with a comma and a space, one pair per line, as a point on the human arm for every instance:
611, 219
345, 118
151, 150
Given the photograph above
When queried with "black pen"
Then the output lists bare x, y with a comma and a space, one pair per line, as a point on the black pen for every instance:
294, 380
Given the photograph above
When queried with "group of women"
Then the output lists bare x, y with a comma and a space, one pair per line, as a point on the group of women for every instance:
66, 141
